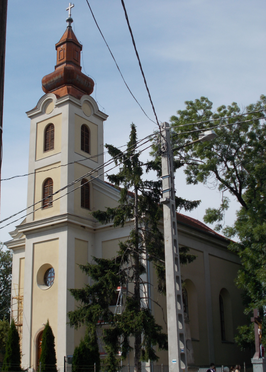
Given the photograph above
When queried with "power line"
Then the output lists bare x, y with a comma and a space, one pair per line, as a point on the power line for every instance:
223, 118
214, 127
120, 72
88, 174
150, 136
147, 138
72, 162
140, 65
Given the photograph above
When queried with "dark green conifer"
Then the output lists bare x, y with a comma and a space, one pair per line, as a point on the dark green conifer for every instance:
12, 354
48, 357
87, 353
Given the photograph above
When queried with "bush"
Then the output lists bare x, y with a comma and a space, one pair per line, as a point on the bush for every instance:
12, 354
48, 357
87, 353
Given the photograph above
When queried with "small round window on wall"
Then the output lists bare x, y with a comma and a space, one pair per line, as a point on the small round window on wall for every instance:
45, 276
49, 277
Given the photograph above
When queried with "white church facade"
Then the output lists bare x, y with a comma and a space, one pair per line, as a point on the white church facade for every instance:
65, 184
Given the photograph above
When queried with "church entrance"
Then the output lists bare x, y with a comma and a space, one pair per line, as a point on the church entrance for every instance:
39, 349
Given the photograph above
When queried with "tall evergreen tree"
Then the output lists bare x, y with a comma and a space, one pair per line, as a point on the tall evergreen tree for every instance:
5, 282
139, 202
4, 328
12, 354
48, 357
87, 353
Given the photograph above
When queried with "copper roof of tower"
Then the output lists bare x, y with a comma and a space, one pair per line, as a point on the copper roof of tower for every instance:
67, 77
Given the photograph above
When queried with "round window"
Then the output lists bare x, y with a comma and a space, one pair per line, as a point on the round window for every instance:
45, 276
49, 277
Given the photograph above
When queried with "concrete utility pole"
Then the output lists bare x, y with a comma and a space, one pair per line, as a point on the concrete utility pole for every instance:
175, 315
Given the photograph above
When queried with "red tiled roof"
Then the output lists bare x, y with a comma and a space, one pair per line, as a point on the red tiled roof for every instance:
192, 222
186, 220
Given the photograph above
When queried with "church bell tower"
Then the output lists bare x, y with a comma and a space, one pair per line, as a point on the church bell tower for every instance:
65, 157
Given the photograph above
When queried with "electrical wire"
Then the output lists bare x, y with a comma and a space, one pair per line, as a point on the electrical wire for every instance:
120, 72
88, 174
214, 127
223, 118
147, 138
140, 65
150, 135
72, 162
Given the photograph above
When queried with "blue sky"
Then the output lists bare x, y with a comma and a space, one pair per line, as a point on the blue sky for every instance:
188, 49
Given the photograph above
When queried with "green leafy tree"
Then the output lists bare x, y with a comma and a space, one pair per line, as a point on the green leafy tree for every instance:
87, 353
4, 328
48, 356
234, 162
139, 202
12, 354
5, 282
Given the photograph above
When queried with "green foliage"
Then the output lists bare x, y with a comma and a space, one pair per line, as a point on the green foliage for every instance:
139, 201
12, 354
87, 353
48, 357
234, 162
4, 328
5, 282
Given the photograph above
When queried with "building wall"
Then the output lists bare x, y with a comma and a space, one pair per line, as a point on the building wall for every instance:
45, 299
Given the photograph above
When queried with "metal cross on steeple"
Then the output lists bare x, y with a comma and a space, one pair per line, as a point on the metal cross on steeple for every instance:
70, 6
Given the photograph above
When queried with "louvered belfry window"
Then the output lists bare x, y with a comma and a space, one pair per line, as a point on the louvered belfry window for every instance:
49, 137
47, 193
85, 194
85, 138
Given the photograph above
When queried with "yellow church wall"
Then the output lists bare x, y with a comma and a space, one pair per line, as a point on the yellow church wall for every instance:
158, 305
102, 201
21, 275
232, 303
57, 122
194, 282
110, 247
93, 138
45, 304
40, 177
81, 257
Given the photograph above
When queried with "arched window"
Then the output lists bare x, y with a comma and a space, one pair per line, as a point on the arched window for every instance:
191, 311
222, 321
226, 319
85, 138
85, 194
47, 193
49, 137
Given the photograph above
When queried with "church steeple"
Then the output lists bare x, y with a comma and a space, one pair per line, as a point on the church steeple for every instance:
67, 77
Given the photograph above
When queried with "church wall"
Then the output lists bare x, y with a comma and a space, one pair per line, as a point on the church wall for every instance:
41, 213
233, 309
194, 281
158, 308
45, 304
40, 128
81, 257
17, 289
104, 196
110, 247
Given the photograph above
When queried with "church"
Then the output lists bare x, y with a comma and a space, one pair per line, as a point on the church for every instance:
66, 182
